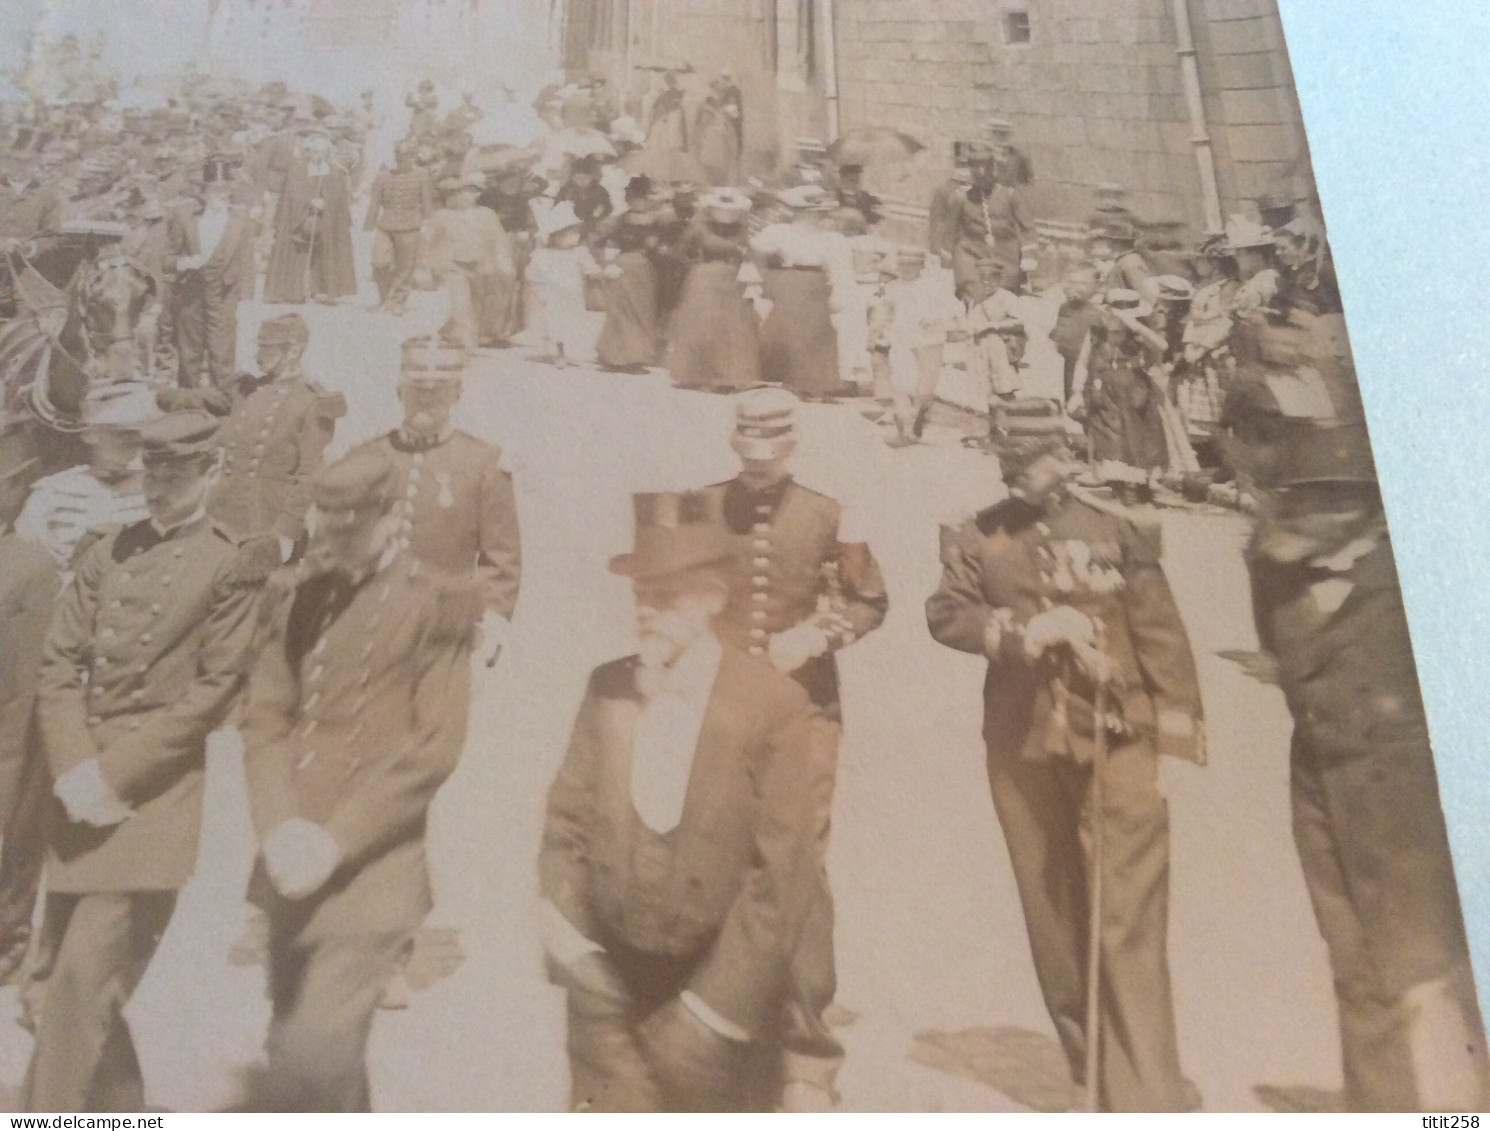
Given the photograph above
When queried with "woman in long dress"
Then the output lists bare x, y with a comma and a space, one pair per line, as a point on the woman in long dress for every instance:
631, 339
717, 132
714, 338
799, 345
312, 253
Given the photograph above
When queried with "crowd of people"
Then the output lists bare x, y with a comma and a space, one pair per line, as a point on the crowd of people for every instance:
192, 562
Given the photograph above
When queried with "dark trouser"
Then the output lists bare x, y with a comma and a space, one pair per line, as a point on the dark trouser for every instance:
324, 994
93, 951
614, 1066
1375, 854
206, 318
23, 851
1045, 811
395, 283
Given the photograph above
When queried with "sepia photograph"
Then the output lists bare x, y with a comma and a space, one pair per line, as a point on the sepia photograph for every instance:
697, 555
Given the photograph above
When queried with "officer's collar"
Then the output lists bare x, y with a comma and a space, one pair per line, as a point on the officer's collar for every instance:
184, 525
405, 441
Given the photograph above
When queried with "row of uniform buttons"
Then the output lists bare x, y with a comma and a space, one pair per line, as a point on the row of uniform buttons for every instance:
281, 391
108, 632
760, 580
318, 673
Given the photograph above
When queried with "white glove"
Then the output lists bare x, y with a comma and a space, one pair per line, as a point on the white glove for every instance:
286, 548
791, 649
300, 856
1060, 625
88, 798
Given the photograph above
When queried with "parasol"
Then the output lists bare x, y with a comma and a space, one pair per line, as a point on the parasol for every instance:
579, 142
499, 158
873, 145
509, 125
670, 166
677, 66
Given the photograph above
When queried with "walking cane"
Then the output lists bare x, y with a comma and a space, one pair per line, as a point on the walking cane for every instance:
1094, 886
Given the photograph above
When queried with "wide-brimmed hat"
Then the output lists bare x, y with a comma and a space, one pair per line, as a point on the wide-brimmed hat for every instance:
979, 152
676, 533
806, 198
180, 435
124, 406
765, 423
560, 217
1115, 230
725, 204
1173, 288
1244, 232
362, 480
1127, 303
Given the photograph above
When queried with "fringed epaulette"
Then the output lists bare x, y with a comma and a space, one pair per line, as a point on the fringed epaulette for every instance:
329, 405
1147, 525
258, 556
92, 538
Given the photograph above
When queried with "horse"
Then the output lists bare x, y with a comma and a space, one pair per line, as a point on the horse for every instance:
69, 352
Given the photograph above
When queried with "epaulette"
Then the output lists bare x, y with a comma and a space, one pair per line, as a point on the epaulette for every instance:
329, 406
92, 538
1148, 527
258, 556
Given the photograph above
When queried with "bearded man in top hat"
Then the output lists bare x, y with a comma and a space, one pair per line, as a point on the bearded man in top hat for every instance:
347, 737
210, 259
803, 584
680, 854
141, 662
1366, 815
1090, 676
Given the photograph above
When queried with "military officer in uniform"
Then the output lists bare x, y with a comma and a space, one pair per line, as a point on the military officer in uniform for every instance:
803, 584
347, 737
457, 510
1070, 607
142, 659
681, 850
274, 441
400, 200
28, 589
1366, 816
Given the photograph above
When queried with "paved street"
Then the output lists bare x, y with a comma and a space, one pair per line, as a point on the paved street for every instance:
931, 940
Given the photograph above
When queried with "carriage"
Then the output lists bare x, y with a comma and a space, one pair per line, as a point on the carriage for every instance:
72, 322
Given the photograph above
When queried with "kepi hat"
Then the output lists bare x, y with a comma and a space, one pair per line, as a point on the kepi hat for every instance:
286, 329
362, 480
765, 423
180, 435
432, 360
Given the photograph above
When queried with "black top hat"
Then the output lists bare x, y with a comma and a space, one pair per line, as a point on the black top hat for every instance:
676, 533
